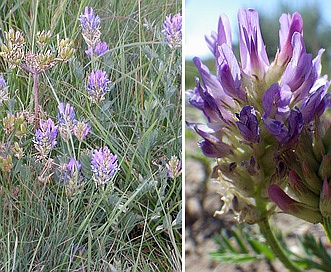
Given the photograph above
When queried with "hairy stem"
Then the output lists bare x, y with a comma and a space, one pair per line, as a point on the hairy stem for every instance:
276, 247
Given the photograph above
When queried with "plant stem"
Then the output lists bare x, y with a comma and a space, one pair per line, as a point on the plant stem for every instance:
276, 247
35, 93
327, 227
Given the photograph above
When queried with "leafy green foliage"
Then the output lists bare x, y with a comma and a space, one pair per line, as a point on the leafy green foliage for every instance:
244, 245
314, 254
240, 247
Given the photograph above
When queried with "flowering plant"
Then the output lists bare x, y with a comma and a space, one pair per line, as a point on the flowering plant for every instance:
266, 126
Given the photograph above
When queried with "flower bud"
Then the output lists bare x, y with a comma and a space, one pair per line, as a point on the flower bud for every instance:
305, 151
43, 37
312, 179
65, 49
318, 147
325, 167
17, 150
6, 163
293, 207
13, 49
325, 199
327, 137
80, 130
301, 191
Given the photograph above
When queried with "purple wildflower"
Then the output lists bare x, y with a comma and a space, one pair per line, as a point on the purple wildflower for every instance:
89, 20
99, 49
259, 113
66, 114
72, 176
3, 89
174, 167
97, 86
66, 120
289, 24
80, 130
45, 137
172, 29
254, 57
301, 93
90, 24
104, 165
248, 124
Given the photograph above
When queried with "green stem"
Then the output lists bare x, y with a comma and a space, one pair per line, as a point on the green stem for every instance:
35, 93
276, 247
327, 227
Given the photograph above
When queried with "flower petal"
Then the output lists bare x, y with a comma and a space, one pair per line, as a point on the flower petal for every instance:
253, 54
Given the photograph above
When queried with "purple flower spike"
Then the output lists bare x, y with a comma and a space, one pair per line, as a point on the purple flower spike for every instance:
45, 137
99, 49
248, 125
3, 89
66, 115
90, 24
104, 165
89, 20
174, 167
289, 24
98, 85
72, 176
253, 55
80, 130
66, 120
172, 29
73, 166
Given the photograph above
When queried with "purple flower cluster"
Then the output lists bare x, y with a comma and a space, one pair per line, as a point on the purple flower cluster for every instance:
72, 176
174, 167
172, 29
97, 86
104, 165
257, 110
45, 137
91, 24
68, 125
89, 21
66, 115
99, 49
80, 130
3, 89
66, 120
289, 92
